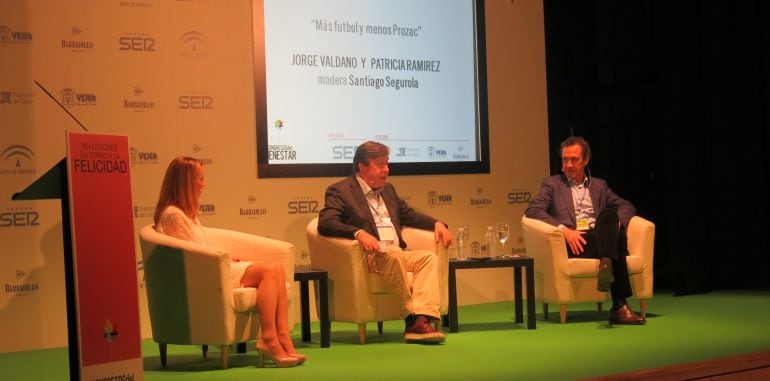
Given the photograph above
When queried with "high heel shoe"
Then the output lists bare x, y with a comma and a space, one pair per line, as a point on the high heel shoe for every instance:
297, 356
279, 361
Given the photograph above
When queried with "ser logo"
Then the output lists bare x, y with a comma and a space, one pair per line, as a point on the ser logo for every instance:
519, 197
136, 44
19, 219
303, 207
196, 102
343, 152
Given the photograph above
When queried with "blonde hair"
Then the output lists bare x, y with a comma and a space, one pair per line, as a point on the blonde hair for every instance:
178, 188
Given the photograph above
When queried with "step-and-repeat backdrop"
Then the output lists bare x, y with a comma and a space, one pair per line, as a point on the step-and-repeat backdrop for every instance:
175, 76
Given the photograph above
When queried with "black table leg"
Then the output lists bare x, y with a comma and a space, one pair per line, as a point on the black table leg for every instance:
530, 297
323, 285
517, 296
304, 296
453, 324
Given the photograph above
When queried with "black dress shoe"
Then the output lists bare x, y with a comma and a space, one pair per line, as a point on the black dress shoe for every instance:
624, 315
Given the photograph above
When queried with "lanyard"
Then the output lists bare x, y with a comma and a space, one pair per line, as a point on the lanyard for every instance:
376, 210
582, 198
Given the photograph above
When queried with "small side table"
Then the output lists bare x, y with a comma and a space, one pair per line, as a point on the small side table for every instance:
517, 263
322, 279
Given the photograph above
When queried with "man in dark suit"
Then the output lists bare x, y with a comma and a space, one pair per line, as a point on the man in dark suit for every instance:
593, 220
366, 208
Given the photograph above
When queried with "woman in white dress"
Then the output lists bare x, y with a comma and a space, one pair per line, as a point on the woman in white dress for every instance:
177, 215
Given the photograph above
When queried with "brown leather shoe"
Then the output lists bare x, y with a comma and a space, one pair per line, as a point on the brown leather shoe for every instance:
422, 332
624, 315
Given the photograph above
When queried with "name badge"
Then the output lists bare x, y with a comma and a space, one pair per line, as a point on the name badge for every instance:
582, 224
386, 233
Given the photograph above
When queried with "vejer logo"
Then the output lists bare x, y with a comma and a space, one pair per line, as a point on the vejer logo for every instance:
68, 97
196, 148
8, 36
138, 157
71, 98
138, 91
436, 199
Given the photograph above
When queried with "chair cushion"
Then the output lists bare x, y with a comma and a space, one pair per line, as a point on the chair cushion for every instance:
245, 299
589, 267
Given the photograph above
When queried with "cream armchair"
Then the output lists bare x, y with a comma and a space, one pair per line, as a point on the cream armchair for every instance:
190, 295
562, 280
355, 295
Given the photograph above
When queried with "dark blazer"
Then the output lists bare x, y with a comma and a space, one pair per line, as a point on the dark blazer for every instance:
554, 205
346, 211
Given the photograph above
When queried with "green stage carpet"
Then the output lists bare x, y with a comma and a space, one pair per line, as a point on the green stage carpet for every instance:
489, 346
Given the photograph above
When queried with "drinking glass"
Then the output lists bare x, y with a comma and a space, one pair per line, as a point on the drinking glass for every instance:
302, 260
503, 232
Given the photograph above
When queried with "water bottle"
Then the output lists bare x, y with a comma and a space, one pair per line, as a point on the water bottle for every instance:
489, 240
461, 231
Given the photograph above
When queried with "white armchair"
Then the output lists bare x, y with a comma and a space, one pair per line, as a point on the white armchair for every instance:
355, 295
562, 280
190, 295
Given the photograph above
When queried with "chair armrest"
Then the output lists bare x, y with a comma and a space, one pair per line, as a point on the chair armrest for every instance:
341, 257
545, 243
641, 243
254, 248
641, 238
